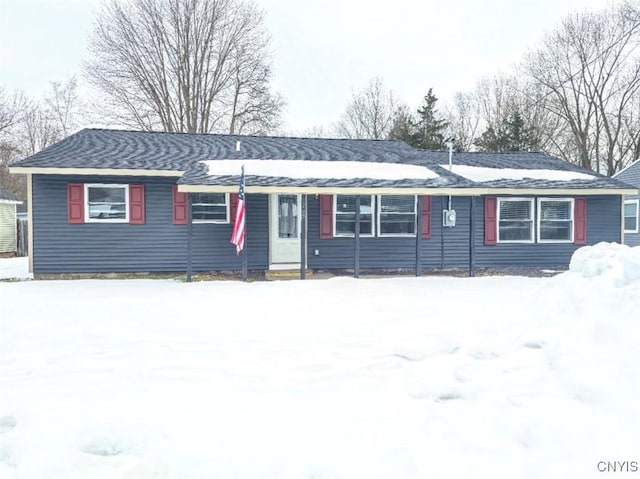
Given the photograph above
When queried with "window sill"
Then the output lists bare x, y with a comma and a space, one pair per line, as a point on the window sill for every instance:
205, 222
106, 220
397, 235
353, 236
516, 242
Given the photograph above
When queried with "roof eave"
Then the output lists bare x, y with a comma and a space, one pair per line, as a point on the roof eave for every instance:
93, 171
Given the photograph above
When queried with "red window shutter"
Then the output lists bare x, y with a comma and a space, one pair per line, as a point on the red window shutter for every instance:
580, 220
233, 207
179, 207
326, 216
490, 220
75, 203
426, 217
136, 205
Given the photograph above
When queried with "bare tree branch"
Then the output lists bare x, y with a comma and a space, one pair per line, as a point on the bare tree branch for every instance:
185, 65
370, 112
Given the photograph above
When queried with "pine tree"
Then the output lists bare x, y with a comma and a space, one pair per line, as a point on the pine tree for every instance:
430, 128
403, 127
512, 135
425, 131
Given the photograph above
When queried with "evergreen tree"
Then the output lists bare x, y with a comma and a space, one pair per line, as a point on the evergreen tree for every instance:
512, 135
430, 128
424, 131
403, 127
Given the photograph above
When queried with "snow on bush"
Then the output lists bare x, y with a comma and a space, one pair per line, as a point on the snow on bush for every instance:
616, 262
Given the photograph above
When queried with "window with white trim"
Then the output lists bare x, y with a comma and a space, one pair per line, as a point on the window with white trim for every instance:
344, 215
515, 220
210, 207
106, 203
631, 214
555, 220
396, 215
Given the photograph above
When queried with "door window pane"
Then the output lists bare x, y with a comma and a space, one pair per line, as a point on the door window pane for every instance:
287, 216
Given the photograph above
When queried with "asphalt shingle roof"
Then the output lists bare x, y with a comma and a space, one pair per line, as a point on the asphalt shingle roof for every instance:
183, 152
95, 148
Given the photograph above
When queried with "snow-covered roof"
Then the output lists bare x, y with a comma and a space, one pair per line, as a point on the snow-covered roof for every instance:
482, 174
300, 169
212, 162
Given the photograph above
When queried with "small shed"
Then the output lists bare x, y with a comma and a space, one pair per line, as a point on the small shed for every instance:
8, 228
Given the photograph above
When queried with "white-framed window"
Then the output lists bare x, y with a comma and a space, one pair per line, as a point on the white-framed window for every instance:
344, 215
631, 214
515, 220
210, 207
107, 203
396, 215
555, 220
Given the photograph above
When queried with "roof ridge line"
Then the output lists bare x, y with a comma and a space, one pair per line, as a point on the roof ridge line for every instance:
235, 135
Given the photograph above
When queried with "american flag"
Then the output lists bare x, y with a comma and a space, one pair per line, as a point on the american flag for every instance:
237, 237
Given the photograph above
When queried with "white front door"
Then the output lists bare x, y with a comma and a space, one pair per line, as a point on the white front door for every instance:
284, 226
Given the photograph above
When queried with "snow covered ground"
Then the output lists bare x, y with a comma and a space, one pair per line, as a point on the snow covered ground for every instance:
15, 268
435, 377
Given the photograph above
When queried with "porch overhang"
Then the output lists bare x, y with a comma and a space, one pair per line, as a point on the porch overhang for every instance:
362, 177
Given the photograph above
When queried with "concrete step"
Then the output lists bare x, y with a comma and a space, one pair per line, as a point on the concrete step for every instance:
285, 274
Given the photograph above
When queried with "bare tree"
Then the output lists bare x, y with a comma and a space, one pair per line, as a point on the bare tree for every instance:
463, 117
47, 121
15, 184
185, 65
496, 99
64, 106
370, 112
11, 109
590, 71
39, 129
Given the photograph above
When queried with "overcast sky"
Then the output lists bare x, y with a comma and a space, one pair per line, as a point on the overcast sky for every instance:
323, 50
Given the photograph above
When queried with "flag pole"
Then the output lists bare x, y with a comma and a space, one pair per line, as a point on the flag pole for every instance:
238, 235
245, 272
245, 258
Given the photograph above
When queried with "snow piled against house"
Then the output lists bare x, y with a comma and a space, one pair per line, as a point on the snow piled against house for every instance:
427, 377
615, 262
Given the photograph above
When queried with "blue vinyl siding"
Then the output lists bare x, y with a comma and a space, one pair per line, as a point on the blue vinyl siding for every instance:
603, 224
157, 246
161, 246
631, 176
395, 252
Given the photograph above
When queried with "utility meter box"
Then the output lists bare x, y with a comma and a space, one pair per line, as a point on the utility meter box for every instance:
449, 218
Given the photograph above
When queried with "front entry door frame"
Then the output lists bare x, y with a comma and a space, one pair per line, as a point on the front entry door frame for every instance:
284, 250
